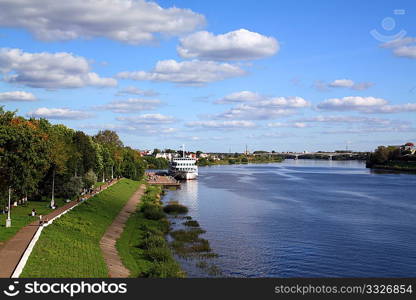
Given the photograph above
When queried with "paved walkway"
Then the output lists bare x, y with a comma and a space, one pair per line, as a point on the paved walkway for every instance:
116, 269
12, 250
152, 178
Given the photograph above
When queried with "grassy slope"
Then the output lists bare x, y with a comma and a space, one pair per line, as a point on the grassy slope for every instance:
70, 246
134, 256
20, 217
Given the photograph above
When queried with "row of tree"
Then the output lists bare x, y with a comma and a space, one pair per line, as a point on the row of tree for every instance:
40, 159
385, 154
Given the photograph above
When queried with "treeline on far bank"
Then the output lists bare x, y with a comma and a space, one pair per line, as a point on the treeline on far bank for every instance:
237, 158
39, 159
392, 158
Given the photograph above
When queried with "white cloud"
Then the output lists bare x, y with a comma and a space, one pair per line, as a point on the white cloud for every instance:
360, 86
351, 103
402, 47
156, 119
345, 120
388, 109
367, 130
239, 97
342, 83
49, 70
290, 124
131, 105
131, 90
270, 108
272, 135
17, 96
221, 124
235, 45
365, 104
133, 129
405, 51
399, 42
193, 72
59, 114
126, 21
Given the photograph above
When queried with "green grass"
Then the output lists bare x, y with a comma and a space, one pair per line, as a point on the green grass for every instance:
142, 245
70, 246
20, 217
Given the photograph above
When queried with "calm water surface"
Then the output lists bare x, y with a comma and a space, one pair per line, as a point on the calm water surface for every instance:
304, 218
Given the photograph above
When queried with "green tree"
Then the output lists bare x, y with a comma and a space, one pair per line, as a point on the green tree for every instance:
109, 138
73, 187
23, 151
90, 178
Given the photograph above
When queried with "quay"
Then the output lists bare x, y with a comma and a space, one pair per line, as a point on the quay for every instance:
164, 180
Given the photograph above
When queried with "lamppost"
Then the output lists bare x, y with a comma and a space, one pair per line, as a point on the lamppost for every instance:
9, 220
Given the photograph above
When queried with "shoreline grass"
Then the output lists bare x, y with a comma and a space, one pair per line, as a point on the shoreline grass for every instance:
142, 245
70, 246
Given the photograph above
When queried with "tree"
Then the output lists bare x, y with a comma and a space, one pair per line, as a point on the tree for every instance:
133, 165
156, 163
73, 187
59, 138
90, 156
381, 155
109, 138
23, 151
90, 178
40, 159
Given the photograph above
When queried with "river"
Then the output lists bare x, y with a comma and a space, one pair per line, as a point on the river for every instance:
304, 218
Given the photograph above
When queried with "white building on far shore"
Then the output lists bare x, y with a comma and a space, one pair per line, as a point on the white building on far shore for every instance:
164, 155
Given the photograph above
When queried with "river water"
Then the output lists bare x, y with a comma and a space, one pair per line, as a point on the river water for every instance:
304, 218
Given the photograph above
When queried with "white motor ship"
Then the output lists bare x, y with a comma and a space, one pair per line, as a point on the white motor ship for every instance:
183, 168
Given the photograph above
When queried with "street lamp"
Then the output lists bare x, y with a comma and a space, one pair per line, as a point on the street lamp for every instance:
9, 220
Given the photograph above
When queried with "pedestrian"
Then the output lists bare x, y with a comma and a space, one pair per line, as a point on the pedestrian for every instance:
33, 212
40, 219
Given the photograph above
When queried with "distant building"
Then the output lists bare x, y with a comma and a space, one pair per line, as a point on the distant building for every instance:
409, 147
191, 155
164, 155
145, 152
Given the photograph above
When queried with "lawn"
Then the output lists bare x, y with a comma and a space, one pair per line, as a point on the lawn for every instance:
70, 246
20, 216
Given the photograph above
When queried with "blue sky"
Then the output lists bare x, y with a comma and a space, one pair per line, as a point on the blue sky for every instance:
216, 75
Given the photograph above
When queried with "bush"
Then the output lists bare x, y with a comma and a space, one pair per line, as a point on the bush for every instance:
152, 212
154, 241
191, 223
175, 208
166, 270
187, 236
159, 254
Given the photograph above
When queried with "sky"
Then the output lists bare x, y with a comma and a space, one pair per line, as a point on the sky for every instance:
216, 75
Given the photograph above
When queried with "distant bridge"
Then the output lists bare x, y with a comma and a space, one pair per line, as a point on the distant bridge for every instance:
297, 155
